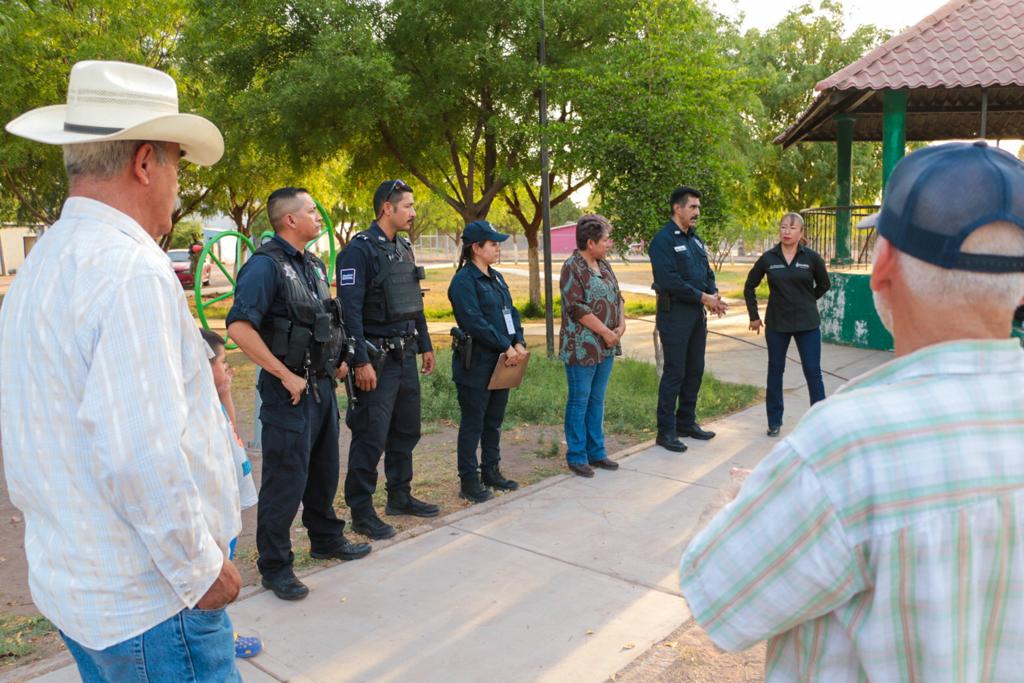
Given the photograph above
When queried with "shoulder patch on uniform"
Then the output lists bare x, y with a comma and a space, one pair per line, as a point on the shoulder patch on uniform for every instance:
347, 277
361, 236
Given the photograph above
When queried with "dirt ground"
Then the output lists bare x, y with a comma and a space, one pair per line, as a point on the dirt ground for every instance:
687, 655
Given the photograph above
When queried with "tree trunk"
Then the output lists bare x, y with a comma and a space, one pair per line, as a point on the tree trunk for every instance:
533, 258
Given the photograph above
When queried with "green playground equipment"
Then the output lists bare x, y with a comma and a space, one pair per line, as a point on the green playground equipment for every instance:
242, 244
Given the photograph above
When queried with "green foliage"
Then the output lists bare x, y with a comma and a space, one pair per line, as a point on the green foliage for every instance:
661, 112
565, 212
186, 233
786, 61
39, 41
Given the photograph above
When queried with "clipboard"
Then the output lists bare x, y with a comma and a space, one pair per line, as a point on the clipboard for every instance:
508, 378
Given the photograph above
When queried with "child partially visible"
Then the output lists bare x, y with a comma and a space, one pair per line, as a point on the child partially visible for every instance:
245, 646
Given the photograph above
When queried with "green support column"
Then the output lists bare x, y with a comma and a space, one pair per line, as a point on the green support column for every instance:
894, 131
844, 171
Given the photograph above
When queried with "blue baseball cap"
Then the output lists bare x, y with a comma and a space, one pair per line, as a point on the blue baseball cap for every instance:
938, 196
481, 231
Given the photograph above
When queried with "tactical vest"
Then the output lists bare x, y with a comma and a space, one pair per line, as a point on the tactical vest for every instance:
394, 293
312, 337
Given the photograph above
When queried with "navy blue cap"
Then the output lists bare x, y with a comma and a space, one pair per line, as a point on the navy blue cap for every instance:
481, 231
939, 195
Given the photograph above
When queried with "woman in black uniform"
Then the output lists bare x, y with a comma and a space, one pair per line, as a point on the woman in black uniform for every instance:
484, 312
796, 280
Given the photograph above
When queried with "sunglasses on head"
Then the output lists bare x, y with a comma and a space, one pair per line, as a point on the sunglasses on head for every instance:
397, 186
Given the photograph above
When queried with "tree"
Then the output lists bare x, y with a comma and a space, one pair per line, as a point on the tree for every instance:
787, 60
39, 41
664, 110
445, 91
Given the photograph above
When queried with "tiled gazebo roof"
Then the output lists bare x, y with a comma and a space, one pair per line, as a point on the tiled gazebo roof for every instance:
947, 61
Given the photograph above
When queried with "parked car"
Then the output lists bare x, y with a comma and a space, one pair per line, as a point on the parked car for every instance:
182, 265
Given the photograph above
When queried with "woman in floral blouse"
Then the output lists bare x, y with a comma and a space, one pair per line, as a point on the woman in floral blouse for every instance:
592, 326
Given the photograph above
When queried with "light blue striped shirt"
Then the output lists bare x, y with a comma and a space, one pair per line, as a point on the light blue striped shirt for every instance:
111, 430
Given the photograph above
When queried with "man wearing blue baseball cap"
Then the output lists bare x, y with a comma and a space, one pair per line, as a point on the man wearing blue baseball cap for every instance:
881, 540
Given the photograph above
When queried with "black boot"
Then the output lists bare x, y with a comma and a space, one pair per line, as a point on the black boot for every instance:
492, 476
371, 525
402, 503
472, 490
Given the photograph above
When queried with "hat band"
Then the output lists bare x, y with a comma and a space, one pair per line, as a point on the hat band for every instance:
90, 130
989, 263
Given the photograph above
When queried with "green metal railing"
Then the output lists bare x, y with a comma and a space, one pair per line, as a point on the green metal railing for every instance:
854, 250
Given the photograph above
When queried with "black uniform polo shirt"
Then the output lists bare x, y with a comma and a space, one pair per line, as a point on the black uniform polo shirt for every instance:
793, 289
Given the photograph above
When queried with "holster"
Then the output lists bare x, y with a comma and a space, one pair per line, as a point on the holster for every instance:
376, 355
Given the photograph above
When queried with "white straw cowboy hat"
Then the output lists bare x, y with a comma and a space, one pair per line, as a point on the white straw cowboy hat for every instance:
120, 101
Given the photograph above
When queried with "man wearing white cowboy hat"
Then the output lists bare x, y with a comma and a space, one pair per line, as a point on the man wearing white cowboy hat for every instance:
112, 444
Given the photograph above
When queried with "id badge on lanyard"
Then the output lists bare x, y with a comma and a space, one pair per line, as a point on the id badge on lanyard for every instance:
510, 326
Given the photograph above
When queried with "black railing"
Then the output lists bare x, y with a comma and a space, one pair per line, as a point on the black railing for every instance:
820, 230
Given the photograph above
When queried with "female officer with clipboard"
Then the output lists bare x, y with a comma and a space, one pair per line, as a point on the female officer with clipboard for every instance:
485, 315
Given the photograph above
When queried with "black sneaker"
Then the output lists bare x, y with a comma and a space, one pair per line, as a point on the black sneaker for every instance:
344, 550
774, 430
492, 476
286, 587
372, 526
402, 503
670, 443
472, 490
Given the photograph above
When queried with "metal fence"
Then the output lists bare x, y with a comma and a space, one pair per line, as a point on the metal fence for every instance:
820, 230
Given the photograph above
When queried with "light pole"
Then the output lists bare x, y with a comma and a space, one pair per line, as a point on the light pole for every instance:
545, 196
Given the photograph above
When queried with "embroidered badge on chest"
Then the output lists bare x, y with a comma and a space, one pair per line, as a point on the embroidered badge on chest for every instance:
680, 247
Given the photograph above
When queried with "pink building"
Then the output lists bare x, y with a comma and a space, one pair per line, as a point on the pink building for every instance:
563, 239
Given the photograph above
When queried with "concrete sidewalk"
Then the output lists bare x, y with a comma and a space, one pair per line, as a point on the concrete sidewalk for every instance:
568, 580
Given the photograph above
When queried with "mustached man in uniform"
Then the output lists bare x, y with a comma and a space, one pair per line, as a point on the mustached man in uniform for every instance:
379, 290
285, 320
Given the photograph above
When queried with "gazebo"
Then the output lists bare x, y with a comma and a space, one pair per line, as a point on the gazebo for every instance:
957, 74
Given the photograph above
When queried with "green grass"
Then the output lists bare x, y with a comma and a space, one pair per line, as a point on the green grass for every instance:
19, 634
630, 405
217, 311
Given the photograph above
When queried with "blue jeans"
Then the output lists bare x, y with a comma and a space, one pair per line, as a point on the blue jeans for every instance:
193, 646
584, 411
808, 344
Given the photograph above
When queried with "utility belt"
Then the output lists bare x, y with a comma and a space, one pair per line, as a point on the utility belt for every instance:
309, 351
462, 344
665, 304
378, 349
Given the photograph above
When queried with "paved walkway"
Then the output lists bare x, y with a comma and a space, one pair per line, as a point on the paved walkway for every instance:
568, 580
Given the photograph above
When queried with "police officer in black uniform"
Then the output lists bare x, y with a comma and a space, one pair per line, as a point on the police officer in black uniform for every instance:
685, 284
286, 321
489, 325
379, 290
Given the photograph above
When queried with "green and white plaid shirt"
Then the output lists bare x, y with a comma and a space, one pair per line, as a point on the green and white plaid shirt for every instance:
882, 540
